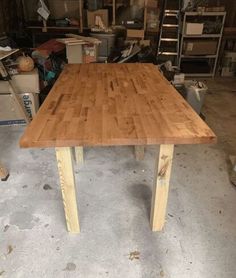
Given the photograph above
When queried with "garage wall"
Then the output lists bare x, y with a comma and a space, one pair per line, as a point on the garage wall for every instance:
230, 6
231, 12
10, 15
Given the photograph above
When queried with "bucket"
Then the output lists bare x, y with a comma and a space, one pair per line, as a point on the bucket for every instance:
195, 94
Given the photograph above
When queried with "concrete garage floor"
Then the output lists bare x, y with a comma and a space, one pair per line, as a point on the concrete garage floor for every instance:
114, 195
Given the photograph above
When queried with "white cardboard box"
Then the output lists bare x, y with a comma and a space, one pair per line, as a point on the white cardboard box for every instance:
74, 53
194, 28
9, 111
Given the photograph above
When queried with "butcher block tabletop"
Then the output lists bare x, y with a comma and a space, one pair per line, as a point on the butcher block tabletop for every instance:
114, 104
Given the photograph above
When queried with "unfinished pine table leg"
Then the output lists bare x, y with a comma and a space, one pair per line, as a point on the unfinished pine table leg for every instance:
161, 187
79, 155
67, 180
4, 174
139, 152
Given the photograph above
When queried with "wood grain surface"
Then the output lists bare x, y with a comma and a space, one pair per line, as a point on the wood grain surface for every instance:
114, 104
68, 188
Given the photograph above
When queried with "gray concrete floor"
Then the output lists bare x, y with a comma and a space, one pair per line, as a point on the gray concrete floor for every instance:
114, 194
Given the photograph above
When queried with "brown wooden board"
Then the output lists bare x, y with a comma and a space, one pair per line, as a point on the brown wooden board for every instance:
114, 104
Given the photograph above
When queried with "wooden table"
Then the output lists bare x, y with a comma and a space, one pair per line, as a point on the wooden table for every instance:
110, 105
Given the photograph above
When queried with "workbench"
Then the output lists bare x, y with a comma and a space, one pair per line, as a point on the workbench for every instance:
110, 105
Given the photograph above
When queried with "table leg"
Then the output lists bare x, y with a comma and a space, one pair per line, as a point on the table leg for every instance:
139, 152
67, 180
161, 187
4, 174
79, 155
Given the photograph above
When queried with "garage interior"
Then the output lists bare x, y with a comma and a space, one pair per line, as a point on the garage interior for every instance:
191, 46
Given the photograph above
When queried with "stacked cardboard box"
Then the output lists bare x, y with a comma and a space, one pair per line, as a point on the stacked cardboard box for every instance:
194, 28
203, 47
27, 86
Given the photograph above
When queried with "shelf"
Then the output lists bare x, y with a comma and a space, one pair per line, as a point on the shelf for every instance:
229, 30
203, 36
168, 53
167, 25
200, 74
169, 39
172, 11
152, 31
198, 56
211, 60
205, 13
55, 27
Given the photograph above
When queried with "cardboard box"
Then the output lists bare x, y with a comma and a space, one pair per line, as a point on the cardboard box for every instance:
91, 17
194, 28
90, 53
200, 47
81, 53
9, 111
74, 53
27, 86
134, 33
25, 82
215, 9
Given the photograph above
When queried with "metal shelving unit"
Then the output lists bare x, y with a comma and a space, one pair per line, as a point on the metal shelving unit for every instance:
211, 58
45, 28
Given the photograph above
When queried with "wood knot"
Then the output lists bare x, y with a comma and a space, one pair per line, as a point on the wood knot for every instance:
163, 170
164, 157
